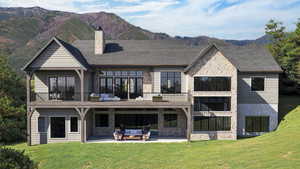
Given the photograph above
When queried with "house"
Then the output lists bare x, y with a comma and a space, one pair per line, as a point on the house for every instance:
89, 88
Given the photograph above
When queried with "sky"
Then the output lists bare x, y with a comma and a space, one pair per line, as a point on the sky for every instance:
226, 19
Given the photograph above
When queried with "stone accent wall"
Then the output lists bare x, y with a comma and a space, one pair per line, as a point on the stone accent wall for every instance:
215, 64
43, 138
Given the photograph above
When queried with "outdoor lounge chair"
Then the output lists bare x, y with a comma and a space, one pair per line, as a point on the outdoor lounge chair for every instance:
118, 135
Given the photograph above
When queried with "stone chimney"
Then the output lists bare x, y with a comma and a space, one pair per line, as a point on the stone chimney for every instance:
99, 41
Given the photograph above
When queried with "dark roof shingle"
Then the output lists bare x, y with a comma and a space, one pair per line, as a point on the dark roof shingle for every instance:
248, 58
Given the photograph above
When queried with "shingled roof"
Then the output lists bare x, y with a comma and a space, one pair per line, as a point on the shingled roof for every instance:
250, 58
140, 52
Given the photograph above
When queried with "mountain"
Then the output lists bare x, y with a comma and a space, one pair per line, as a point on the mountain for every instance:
23, 31
262, 41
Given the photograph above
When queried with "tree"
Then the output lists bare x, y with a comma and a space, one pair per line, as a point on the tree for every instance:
12, 104
285, 48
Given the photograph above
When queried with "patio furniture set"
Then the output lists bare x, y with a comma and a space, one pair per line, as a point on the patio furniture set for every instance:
132, 134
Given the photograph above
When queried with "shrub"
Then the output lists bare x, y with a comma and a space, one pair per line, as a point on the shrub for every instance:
14, 159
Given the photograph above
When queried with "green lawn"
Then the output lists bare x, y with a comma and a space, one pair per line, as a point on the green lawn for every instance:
279, 149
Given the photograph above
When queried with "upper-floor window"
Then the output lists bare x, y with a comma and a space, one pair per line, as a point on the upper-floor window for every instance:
257, 83
211, 103
205, 83
170, 82
61, 87
123, 84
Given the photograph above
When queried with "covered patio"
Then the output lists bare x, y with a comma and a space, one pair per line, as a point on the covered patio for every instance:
154, 139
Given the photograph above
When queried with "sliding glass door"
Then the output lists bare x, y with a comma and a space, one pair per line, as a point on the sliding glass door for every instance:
123, 84
61, 88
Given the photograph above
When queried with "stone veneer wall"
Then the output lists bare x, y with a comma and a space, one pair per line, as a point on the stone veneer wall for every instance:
215, 64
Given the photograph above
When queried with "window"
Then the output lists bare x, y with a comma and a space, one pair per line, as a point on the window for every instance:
136, 121
41, 124
61, 87
170, 120
257, 124
74, 124
106, 85
101, 120
257, 83
211, 103
124, 84
57, 127
220, 123
170, 82
212, 83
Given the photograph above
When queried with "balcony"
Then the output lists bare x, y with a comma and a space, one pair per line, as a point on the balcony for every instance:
155, 100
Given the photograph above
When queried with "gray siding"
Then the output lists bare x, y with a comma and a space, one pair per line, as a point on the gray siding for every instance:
55, 56
41, 82
268, 96
270, 110
40, 138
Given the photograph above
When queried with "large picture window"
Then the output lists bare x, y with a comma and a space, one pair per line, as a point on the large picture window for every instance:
58, 127
61, 87
170, 82
211, 103
170, 120
123, 84
212, 83
220, 123
257, 83
257, 124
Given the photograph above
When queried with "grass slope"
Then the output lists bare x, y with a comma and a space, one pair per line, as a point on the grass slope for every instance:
279, 149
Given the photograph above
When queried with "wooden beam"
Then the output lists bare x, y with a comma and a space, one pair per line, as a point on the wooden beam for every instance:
189, 122
78, 73
28, 110
81, 85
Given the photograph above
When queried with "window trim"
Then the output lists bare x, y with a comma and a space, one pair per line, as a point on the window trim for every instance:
220, 131
226, 76
226, 111
265, 77
56, 76
44, 124
107, 113
253, 116
78, 124
49, 128
172, 71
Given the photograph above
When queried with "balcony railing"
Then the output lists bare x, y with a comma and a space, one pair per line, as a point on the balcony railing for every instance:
158, 97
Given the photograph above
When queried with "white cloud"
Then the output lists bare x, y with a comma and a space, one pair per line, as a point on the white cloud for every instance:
243, 19
128, 1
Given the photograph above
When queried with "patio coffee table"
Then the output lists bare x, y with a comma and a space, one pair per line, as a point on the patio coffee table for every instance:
134, 134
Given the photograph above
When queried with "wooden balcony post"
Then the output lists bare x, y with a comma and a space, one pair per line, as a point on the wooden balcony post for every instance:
81, 85
189, 122
28, 109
